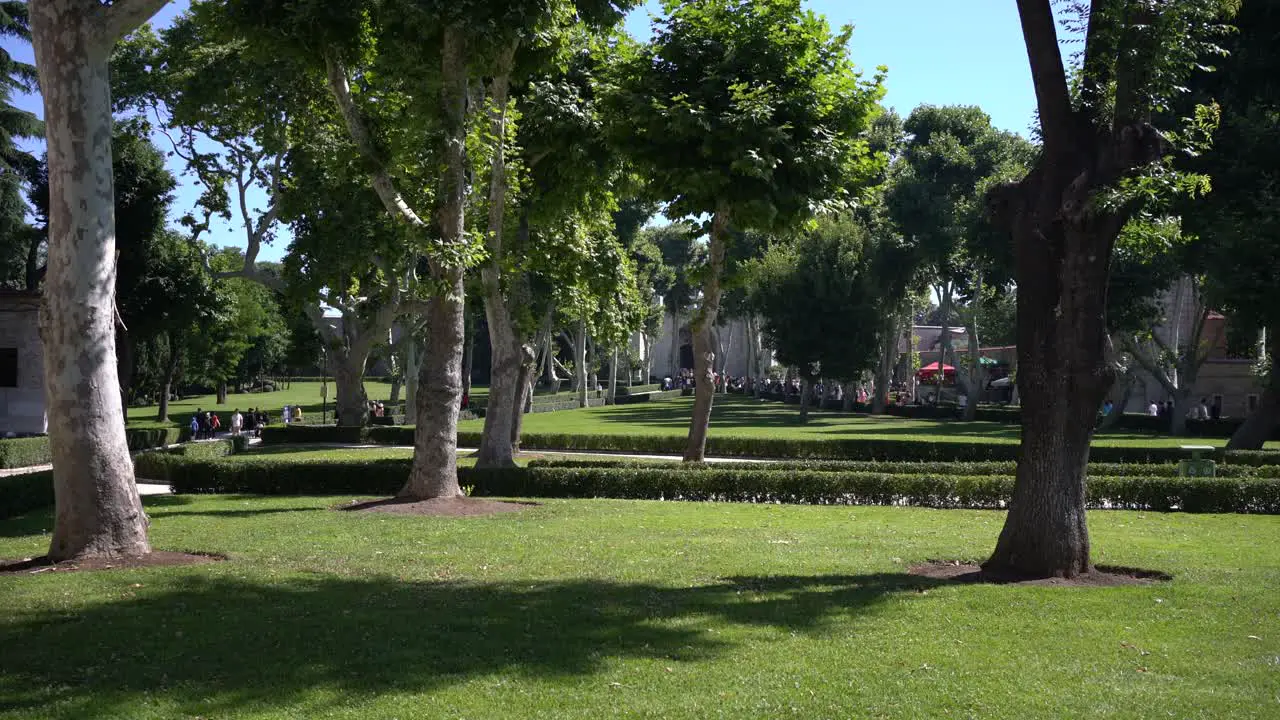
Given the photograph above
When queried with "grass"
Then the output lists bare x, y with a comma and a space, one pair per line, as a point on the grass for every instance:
589, 609
737, 416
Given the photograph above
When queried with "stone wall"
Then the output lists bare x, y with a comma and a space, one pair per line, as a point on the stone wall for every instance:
22, 408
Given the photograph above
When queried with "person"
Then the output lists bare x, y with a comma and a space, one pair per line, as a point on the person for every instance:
237, 422
1202, 412
287, 413
215, 424
466, 399
250, 421
263, 420
203, 421
1107, 407
195, 426
1153, 409
297, 413
382, 409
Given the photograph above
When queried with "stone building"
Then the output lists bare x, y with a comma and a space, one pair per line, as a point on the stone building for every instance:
673, 349
22, 404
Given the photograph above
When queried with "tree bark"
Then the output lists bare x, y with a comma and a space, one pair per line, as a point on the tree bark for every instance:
394, 396
412, 367
97, 509
613, 377
222, 392
351, 404
806, 392
675, 345
170, 369
468, 352
524, 390
580, 363
884, 368
944, 349
976, 374
124, 368
703, 355
435, 458
848, 397
1262, 422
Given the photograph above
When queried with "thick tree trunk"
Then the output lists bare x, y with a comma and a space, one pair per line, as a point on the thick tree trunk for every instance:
351, 404
613, 377
1262, 422
976, 382
394, 396
850, 395
170, 369
580, 363
222, 392
675, 345
944, 350
884, 368
593, 361
97, 509
435, 457
806, 392
703, 355
524, 391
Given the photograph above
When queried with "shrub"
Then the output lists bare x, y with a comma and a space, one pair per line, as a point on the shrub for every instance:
332, 434
737, 484
638, 389
646, 397
147, 437
24, 452
20, 494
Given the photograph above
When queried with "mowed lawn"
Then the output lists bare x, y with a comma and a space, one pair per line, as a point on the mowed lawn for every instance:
738, 416
591, 609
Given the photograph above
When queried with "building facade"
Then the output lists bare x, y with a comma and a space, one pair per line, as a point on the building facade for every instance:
22, 402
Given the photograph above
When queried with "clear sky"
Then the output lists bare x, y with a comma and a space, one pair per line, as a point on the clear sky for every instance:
941, 52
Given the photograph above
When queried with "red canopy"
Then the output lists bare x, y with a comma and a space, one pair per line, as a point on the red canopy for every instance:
933, 367
931, 370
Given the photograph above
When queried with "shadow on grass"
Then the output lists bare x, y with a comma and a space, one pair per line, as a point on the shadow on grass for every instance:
215, 645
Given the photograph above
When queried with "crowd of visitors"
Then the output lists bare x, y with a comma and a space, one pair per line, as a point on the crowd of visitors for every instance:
205, 425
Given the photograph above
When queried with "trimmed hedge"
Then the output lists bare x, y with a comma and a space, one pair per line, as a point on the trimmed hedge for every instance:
385, 477
646, 397
20, 494
909, 468
146, 438
638, 389
24, 452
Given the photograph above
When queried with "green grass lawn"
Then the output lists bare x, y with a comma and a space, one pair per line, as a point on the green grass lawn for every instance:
737, 416
591, 609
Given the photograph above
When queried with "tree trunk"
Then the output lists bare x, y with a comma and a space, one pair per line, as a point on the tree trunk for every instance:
435, 457
549, 368
703, 356
124, 368
1117, 412
944, 349
412, 366
593, 361
849, 396
170, 369
675, 345
580, 363
468, 353
351, 404
884, 368
1257, 428
524, 390
806, 392
394, 396
222, 392
976, 373
613, 377
97, 509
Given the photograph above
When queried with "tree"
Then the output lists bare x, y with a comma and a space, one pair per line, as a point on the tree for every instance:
1238, 222
677, 283
98, 512
936, 199
20, 244
1100, 155
747, 114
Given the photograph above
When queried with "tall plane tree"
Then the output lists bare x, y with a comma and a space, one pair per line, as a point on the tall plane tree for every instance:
1101, 155
751, 115
98, 512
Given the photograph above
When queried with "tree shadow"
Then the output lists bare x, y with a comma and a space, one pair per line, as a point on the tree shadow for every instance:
213, 644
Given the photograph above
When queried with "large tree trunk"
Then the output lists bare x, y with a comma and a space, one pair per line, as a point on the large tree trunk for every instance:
124, 368
884, 368
97, 509
393, 398
703, 355
675, 345
524, 391
973, 389
170, 369
222, 392
613, 377
848, 396
1257, 428
352, 403
506, 356
806, 392
435, 457
580, 363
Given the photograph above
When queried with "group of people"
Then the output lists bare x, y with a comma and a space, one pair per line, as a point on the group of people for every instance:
291, 414
377, 409
1200, 411
205, 425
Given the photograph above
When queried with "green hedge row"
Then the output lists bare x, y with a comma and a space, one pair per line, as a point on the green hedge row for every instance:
784, 448
26, 452
911, 468
20, 494
385, 477
638, 389
647, 397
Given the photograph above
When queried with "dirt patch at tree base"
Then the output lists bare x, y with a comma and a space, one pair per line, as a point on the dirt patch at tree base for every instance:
438, 507
1102, 575
156, 558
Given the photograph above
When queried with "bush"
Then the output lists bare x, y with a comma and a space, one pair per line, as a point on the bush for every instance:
638, 389
909, 468
24, 452
148, 437
331, 434
20, 494
737, 484
646, 397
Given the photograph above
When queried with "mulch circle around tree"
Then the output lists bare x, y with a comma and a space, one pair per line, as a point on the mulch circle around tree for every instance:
438, 507
1102, 575
156, 558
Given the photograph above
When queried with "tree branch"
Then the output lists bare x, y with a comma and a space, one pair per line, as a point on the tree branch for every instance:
359, 132
122, 17
1040, 34
1149, 364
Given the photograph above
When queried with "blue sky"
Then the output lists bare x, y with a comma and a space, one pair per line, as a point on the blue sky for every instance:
941, 52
